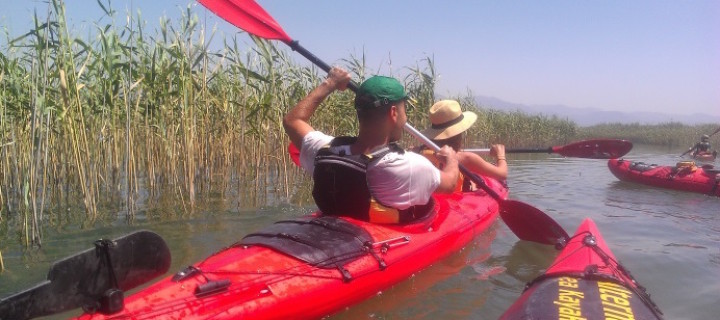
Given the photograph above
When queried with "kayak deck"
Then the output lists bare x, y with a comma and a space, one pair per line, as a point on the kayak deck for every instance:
256, 281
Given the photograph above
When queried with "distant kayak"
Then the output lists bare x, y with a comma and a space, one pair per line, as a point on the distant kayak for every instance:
685, 176
584, 282
705, 156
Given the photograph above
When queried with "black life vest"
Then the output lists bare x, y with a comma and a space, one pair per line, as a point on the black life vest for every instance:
703, 146
341, 187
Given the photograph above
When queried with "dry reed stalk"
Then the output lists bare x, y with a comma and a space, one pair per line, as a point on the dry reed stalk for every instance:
3, 144
75, 145
33, 163
193, 114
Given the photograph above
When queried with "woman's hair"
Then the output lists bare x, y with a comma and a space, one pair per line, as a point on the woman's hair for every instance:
454, 142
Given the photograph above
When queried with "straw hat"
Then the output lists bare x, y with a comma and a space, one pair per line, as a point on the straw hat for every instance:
448, 120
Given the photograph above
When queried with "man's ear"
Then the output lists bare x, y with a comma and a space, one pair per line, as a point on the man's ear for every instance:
393, 113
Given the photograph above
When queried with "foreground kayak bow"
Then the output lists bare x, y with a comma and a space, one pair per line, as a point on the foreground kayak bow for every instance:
584, 282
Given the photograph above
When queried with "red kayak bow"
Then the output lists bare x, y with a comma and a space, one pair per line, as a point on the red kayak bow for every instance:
584, 282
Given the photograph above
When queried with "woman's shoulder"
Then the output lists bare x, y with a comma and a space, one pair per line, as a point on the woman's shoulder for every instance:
469, 156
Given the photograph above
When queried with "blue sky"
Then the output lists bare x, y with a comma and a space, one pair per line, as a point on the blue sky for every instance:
612, 55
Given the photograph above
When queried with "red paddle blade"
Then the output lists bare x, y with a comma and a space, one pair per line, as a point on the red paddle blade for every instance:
294, 154
531, 224
249, 16
595, 149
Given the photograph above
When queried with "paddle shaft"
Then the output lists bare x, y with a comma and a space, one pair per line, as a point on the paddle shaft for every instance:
589, 149
716, 131
487, 150
295, 46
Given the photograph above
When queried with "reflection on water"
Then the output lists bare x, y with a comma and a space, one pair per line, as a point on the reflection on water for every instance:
456, 279
669, 240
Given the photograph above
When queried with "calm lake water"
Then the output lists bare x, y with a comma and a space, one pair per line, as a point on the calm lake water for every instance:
669, 240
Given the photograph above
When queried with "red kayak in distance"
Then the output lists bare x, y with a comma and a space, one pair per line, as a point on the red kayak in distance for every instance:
584, 282
685, 176
311, 267
705, 156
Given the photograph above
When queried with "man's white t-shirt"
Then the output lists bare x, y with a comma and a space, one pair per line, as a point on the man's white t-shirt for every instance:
398, 180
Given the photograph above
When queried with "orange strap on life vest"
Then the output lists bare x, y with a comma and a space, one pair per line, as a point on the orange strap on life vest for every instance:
430, 155
381, 214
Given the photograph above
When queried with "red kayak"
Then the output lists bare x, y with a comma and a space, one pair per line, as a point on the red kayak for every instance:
685, 176
313, 266
584, 282
705, 156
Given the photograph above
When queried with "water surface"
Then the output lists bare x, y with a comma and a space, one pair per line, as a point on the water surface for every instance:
669, 240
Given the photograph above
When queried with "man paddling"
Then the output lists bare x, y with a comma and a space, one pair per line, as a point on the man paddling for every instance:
701, 147
368, 177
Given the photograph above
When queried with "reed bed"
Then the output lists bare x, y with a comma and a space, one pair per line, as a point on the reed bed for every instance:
127, 117
95, 130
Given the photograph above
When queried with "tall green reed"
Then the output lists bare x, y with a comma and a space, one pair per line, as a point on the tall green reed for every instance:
133, 119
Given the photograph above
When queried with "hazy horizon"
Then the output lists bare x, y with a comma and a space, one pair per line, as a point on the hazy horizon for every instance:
639, 56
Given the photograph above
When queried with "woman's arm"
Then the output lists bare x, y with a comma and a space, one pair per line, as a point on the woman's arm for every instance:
477, 164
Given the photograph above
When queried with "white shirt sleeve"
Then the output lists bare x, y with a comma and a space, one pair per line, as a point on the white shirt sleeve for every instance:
403, 180
311, 144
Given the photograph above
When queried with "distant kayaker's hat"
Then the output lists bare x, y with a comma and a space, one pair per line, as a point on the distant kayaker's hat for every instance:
448, 120
705, 137
379, 91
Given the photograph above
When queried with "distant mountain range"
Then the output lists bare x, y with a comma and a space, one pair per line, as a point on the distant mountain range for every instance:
592, 116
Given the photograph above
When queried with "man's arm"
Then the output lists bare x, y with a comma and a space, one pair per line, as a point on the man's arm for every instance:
297, 121
689, 150
449, 173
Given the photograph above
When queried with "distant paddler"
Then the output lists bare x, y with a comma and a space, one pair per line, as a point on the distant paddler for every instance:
702, 148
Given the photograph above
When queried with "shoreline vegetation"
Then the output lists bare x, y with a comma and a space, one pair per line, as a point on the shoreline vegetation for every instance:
94, 130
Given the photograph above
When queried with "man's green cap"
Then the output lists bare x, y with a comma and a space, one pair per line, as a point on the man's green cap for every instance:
379, 91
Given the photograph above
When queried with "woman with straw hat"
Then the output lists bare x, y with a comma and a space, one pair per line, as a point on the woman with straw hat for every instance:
449, 125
